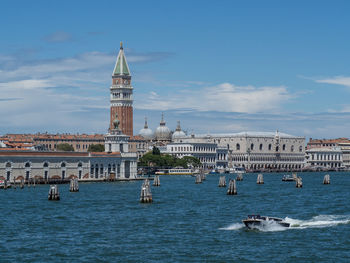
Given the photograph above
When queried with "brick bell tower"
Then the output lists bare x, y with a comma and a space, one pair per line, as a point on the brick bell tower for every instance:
121, 95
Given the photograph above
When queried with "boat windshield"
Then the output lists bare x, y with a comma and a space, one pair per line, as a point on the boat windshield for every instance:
254, 216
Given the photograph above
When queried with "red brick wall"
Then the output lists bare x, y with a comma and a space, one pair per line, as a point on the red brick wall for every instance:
125, 116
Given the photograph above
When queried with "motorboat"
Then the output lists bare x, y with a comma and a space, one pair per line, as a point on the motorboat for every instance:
288, 178
256, 221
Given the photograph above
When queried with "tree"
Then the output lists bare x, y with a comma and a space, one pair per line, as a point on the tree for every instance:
96, 148
155, 151
66, 147
192, 161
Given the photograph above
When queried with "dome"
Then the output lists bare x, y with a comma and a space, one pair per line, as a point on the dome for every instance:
146, 132
178, 132
163, 132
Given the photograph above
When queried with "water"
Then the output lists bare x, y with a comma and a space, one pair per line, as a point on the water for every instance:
187, 222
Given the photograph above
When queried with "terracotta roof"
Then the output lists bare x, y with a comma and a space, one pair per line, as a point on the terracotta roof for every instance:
327, 141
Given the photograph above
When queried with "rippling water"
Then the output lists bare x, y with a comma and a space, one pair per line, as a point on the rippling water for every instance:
187, 222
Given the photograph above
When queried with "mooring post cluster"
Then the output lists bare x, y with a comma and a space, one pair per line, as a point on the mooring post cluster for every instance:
232, 189
156, 181
222, 181
260, 179
203, 177
54, 195
146, 195
74, 186
198, 179
326, 179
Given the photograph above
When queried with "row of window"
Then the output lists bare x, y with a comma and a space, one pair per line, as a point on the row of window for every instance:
192, 148
329, 157
45, 165
117, 95
238, 147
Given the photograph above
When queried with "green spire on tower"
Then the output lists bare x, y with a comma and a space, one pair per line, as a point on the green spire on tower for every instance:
121, 67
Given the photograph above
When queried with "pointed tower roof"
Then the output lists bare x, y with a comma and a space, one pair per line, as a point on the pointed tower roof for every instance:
121, 67
178, 127
162, 122
146, 124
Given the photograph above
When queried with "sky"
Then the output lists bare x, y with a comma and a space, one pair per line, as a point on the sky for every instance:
217, 66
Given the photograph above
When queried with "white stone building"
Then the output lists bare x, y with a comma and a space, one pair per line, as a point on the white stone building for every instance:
324, 158
208, 153
257, 150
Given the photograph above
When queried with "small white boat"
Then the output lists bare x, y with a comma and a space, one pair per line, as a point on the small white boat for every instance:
176, 171
256, 221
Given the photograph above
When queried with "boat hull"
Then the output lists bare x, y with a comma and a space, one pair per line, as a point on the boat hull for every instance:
256, 223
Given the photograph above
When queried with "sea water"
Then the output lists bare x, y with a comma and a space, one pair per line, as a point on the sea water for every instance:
187, 222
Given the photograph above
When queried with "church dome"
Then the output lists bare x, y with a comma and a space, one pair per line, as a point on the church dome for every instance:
163, 132
146, 132
178, 132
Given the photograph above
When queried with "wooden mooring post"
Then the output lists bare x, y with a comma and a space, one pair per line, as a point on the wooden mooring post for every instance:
326, 179
146, 195
54, 195
22, 184
203, 177
298, 182
260, 179
74, 186
232, 189
222, 181
198, 179
156, 181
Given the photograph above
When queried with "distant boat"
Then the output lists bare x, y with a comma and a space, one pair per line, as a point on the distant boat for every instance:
288, 178
214, 171
256, 221
235, 170
176, 171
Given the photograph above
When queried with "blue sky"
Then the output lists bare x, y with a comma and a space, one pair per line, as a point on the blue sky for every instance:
224, 66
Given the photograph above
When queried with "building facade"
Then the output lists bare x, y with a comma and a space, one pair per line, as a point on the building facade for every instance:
208, 153
324, 158
258, 151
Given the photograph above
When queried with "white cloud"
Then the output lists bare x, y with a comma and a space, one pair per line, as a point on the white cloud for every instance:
224, 97
338, 80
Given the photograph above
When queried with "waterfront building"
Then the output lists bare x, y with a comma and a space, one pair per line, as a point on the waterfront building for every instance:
324, 158
257, 150
116, 163
122, 94
208, 153
342, 143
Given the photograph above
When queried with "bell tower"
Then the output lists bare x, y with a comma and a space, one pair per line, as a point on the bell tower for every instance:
122, 95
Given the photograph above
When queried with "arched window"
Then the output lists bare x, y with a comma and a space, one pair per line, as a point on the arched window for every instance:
80, 165
63, 165
277, 148
292, 148
284, 147
261, 147
252, 146
238, 147
46, 164
27, 165
270, 146
8, 165
300, 148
